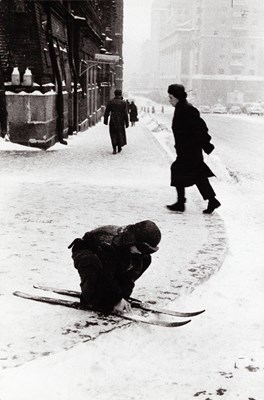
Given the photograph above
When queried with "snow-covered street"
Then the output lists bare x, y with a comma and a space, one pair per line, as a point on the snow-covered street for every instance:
49, 198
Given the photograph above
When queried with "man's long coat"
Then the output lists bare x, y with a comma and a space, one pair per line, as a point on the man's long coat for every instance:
116, 109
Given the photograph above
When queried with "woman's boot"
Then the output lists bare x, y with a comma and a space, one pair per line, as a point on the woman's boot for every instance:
213, 203
179, 206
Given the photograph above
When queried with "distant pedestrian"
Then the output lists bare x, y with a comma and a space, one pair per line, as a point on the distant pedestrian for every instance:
133, 112
153, 110
162, 109
127, 105
110, 259
117, 110
191, 139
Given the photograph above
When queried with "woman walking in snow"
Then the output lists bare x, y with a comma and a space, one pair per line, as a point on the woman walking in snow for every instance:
133, 112
191, 139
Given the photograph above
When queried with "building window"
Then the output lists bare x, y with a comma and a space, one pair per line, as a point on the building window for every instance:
47, 58
236, 71
84, 70
19, 6
237, 44
60, 58
237, 59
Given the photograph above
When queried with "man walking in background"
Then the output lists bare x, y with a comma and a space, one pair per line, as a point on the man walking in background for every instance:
117, 110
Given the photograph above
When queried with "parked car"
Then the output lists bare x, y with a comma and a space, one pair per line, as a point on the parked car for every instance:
219, 109
205, 109
235, 110
255, 110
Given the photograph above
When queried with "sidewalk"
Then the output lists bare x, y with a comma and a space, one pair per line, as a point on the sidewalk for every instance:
52, 197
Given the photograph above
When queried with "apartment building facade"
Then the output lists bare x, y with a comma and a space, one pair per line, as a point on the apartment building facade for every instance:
228, 51
215, 48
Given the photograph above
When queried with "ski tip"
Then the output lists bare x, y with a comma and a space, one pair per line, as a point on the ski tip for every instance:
36, 286
191, 314
20, 294
186, 322
176, 324
198, 312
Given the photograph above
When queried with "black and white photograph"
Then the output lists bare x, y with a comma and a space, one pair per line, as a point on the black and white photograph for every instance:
132, 199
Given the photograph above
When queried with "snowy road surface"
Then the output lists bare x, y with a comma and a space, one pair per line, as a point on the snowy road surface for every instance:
52, 197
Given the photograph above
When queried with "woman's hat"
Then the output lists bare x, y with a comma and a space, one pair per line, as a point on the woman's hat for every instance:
177, 90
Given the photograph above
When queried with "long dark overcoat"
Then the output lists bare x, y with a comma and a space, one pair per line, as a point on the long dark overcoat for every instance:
191, 139
117, 110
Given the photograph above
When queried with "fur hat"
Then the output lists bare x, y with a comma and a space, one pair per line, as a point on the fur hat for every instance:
177, 90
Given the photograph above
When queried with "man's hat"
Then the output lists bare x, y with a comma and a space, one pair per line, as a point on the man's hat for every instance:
118, 92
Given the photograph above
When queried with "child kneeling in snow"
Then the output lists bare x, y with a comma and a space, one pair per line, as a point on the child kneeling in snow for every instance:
110, 259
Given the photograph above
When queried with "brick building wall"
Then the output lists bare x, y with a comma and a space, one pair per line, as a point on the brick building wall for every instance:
58, 42
4, 34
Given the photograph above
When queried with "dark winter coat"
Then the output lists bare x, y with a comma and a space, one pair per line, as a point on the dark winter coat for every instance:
117, 110
107, 270
191, 139
133, 112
